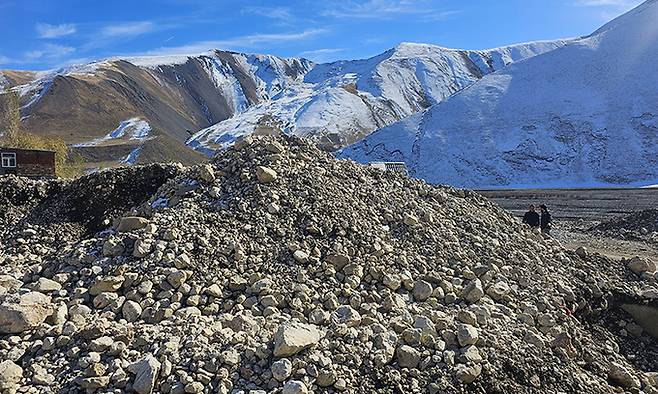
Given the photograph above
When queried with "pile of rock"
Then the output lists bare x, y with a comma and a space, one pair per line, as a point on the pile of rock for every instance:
641, 225
276, 268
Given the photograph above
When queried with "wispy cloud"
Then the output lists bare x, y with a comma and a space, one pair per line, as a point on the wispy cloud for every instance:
388, 9
247, 41
48, 52
608, 3
608, 9
280, 13
4, 60
46, 30
128, 29
321, 55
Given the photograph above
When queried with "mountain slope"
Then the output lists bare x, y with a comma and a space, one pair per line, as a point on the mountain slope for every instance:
338, 103
173, 95
581, 115
11, 78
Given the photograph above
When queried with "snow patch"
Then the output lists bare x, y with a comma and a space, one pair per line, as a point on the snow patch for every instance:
134, 128
133, 155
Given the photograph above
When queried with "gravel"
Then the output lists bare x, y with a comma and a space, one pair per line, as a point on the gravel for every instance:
276, 268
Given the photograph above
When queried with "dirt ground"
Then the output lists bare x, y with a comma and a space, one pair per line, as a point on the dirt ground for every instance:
576, 211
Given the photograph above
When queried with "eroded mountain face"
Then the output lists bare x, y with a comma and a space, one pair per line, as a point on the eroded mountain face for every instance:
338, 103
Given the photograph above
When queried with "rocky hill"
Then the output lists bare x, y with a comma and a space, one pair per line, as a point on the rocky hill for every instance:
581, 115
276, 268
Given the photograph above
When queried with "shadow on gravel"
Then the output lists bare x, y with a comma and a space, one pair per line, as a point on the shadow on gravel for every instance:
87, 204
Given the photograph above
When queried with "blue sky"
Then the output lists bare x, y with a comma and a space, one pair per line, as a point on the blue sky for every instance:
43, 34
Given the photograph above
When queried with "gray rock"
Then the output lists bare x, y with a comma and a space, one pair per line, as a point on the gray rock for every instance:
281, 369
422, 290
347, 315
10, 283
468, 373
498, 291
473, 292
131, 310
10, 373
620, 375
45, 285
146, 372
467, 335
407, 356
294, 387
108, 284
265, 174
131, 223
207, 173
641, 265
214, 290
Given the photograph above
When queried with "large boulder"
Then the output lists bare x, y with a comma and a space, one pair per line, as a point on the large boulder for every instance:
265, 174
293, 337
641, 265
19, 314
131, 223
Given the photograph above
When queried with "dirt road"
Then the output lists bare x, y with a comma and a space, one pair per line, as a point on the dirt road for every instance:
575, 211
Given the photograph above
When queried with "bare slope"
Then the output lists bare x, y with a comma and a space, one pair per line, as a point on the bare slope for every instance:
175, 96
236, 94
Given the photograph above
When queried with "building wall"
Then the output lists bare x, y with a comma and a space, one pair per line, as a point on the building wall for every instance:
31, 163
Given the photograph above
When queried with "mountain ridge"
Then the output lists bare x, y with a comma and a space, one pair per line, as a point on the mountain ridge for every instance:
205, 101
341, 101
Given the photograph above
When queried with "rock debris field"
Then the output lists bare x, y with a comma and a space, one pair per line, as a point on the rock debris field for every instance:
641, 225
278, 269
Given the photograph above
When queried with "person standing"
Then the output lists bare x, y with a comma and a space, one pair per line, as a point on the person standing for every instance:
545, 220
531, 218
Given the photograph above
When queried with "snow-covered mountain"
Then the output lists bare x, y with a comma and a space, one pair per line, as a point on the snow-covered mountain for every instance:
585, 114
338, 103
173, 96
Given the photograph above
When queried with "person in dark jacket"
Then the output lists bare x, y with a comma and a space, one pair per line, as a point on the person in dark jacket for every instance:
545, 220
531, 218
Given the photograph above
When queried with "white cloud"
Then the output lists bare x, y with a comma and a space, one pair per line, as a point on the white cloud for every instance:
280, 13
608, 9
46, 30
128, 29
4, 60
247, 41
321, 55
48, 52
388, 9
618, 4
